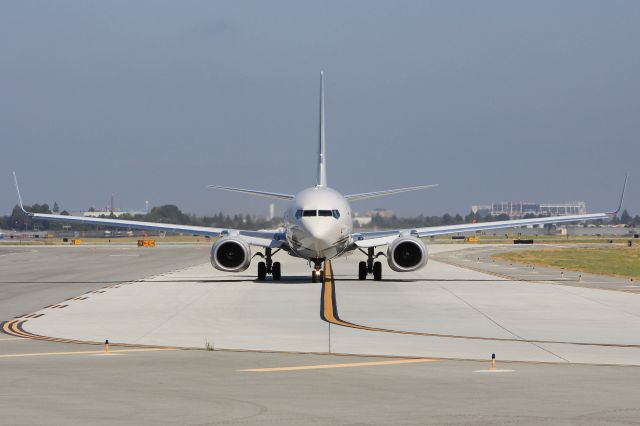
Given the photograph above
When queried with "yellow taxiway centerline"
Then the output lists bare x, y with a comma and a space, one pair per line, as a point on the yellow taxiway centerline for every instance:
83, 352
347, 365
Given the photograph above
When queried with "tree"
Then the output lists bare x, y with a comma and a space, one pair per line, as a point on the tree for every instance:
169, 213
625, 217
56, 207
470, 217
502, 216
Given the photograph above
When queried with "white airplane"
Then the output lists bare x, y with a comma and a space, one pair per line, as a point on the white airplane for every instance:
318, 225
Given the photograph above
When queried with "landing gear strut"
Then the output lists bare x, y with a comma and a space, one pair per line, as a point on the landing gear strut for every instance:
269, 266
317, 275
370, 266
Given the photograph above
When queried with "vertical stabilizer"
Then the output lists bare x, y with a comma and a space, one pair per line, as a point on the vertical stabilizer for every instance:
322, 168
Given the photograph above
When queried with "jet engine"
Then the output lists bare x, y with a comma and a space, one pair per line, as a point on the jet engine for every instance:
230, 255
407, 254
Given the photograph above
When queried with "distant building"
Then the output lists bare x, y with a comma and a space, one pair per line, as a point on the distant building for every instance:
368, 216
519, 209
107, 213
384, 213
361, 220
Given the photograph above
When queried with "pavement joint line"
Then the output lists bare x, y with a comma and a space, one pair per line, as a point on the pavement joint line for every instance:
329, 313
344, 365
498, 324
15, 328
83, 352
332, 354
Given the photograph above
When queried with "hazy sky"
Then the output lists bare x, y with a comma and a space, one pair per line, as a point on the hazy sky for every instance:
153, 100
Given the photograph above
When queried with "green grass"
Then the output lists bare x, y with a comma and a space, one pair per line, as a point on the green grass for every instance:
616, 261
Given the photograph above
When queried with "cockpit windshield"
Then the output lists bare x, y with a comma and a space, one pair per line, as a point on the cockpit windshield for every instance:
326, 213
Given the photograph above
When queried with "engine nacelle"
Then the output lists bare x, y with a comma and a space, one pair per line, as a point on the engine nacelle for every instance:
407, 254
230, 254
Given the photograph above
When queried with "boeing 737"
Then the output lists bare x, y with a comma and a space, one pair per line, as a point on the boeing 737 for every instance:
318, 225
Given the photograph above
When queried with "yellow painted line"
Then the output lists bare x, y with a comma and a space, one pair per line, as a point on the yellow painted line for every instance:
347, 365
328, 298
82, 352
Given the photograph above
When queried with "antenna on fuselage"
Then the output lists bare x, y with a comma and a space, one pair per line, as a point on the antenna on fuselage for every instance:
322, 167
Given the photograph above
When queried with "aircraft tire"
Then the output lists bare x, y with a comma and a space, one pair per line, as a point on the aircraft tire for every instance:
362, 270
276, 271
377, 271
262, 271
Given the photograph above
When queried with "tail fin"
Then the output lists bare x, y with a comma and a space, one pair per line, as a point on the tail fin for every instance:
322, 167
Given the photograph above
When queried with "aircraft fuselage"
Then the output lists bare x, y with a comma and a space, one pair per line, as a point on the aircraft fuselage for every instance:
318, 223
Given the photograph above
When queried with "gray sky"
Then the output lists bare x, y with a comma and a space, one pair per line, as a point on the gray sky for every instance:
153, 100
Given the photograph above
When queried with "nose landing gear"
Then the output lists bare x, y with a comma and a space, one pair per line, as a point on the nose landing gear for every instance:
370, 266
269, 267
317, 276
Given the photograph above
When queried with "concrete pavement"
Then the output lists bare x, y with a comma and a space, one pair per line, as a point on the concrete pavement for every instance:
169, 295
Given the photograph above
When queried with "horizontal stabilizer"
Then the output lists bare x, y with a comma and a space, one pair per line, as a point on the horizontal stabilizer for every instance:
363, 196
254, 192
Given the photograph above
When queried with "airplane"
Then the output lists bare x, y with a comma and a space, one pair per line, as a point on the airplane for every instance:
318, 225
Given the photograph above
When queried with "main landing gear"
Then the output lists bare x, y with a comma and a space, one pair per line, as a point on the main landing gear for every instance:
269, 267
317, 276
370, 266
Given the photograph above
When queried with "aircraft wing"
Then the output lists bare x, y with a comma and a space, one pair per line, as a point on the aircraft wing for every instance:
378, 238
266, 238
371, 239
257, 238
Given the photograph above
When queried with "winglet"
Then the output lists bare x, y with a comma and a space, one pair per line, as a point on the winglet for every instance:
15, 180
624, 186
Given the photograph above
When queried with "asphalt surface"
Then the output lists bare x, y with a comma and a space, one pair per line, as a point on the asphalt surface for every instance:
61, 383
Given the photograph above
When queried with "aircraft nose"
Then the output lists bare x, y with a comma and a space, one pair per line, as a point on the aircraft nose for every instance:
321, 232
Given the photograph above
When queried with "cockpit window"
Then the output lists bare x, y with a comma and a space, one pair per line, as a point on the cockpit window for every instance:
324, 213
